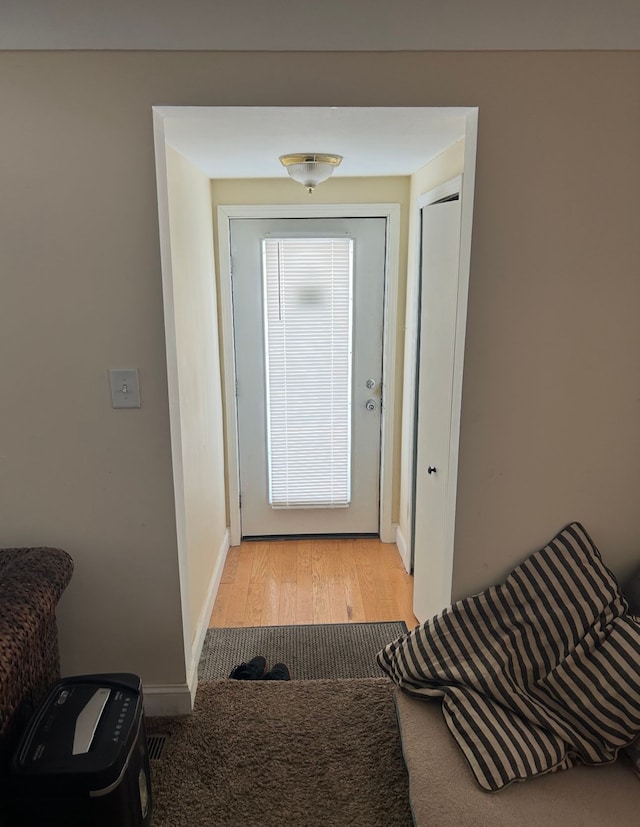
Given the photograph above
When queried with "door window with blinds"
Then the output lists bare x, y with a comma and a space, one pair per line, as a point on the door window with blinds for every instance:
308, 315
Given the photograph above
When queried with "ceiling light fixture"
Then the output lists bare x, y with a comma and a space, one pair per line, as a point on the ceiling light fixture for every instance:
310, 168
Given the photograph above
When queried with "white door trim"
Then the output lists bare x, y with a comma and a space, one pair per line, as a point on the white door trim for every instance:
451, 187
392, 213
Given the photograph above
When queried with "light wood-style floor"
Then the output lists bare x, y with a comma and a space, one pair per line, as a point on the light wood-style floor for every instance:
286, 582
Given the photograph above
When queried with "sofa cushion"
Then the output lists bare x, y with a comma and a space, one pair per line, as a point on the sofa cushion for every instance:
444, 793
536, 674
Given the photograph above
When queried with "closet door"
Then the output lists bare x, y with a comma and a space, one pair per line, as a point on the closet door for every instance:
438, 308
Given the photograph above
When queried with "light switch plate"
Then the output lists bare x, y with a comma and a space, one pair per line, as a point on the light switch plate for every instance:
125, 389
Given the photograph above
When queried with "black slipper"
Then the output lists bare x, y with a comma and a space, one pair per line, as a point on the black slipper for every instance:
278, 672
252, 671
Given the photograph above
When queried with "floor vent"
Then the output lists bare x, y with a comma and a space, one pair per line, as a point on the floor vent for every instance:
155, 745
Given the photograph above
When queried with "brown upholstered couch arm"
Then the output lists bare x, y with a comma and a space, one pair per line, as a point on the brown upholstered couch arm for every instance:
31, 583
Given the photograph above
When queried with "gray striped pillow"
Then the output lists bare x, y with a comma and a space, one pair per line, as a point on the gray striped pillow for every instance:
537, 674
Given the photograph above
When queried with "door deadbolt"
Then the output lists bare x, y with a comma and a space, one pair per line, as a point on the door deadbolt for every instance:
371, 383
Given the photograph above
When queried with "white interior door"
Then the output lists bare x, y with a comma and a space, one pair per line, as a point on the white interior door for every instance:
308, 299
438, 308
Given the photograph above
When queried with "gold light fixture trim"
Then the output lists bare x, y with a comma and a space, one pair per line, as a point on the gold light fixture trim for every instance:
310, 168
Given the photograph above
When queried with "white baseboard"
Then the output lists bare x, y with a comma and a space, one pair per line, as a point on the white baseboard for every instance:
168, 699
205, 614
178, 699
403, 549
388, 532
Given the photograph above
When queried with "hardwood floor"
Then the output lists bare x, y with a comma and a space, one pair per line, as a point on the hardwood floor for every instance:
284, 582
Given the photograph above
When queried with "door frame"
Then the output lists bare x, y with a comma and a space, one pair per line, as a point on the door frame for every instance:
439, 194
465, 185
428, 199
391, 212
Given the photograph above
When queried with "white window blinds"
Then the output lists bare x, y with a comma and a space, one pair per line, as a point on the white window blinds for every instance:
308, 331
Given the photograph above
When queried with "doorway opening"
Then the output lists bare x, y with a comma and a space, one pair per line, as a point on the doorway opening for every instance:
242, 144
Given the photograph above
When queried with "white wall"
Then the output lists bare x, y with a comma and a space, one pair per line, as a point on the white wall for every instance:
199, 466
550, 426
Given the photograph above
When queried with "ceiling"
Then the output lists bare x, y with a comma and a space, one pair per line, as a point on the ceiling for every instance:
351, 25
246, 142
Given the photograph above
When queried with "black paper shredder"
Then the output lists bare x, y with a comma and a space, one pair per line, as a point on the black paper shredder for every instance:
83, 758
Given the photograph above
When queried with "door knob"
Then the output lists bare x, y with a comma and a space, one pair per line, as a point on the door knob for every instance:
370, 404
431, 470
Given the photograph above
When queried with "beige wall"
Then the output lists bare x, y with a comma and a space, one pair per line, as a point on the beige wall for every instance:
202, 484
550, 418
382, 190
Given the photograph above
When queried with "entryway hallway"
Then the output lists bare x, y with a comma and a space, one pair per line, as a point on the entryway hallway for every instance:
286, 582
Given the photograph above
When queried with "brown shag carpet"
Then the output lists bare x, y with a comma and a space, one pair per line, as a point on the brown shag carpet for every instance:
273, 753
